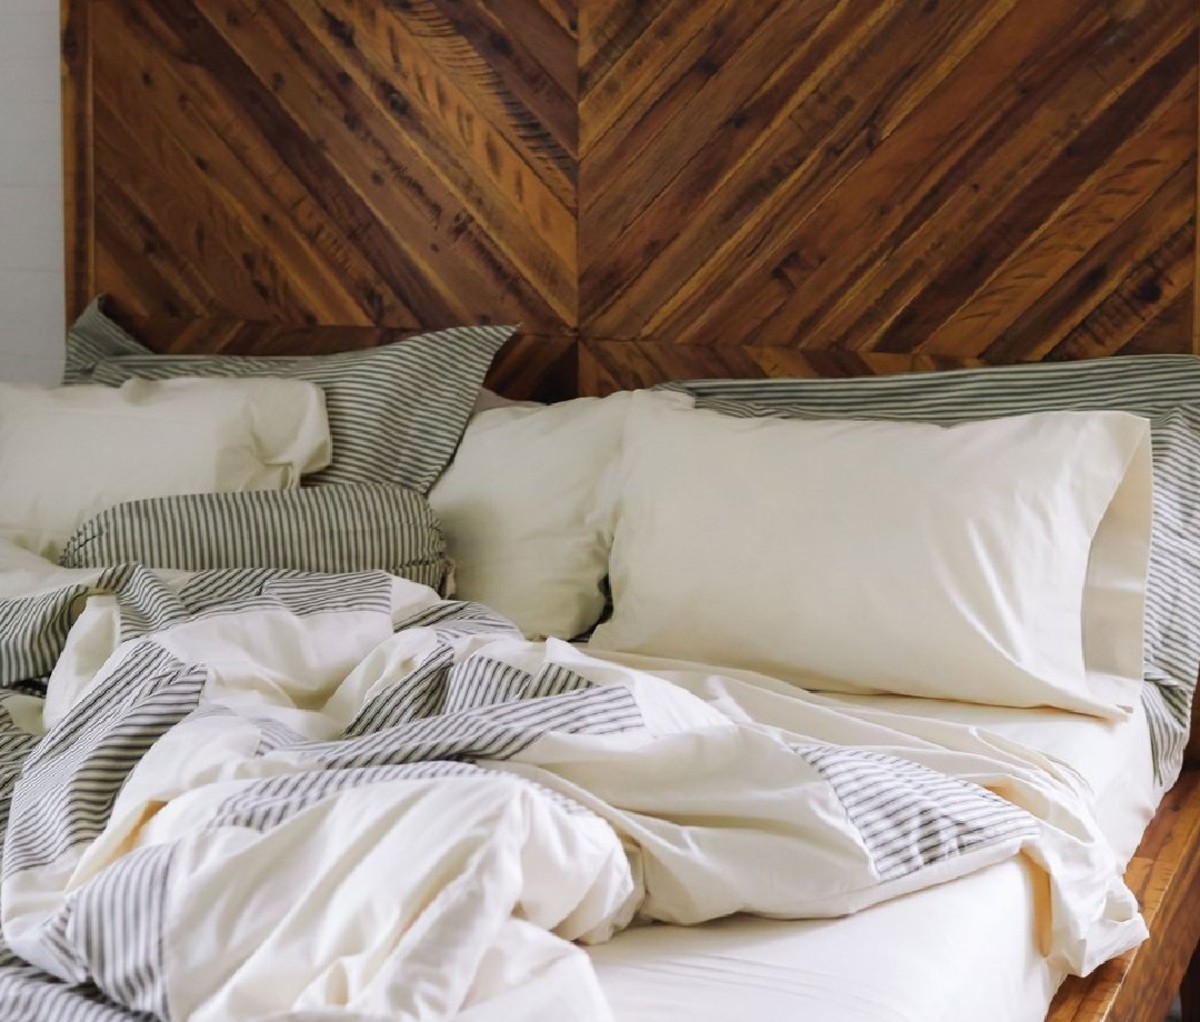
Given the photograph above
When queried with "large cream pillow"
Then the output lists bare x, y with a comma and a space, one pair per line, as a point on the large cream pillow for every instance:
526, 515
902, 557
70, 452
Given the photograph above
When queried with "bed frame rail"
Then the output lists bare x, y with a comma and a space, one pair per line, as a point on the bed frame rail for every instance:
1165, 875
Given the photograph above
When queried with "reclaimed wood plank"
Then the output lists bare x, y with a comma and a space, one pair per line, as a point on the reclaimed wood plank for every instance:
902, 178
345, 161
980, 182
1165, 875
606, 365
530, 366
78, 163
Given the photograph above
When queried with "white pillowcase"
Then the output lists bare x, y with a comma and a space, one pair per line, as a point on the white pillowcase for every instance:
526, 515
70, 452
902, 557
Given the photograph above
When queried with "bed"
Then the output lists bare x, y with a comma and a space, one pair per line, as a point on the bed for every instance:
674, 192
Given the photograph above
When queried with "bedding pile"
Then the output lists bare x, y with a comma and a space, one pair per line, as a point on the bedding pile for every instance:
254, 763
262, 792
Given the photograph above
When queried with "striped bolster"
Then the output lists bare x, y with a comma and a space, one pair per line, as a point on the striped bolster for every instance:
330, 529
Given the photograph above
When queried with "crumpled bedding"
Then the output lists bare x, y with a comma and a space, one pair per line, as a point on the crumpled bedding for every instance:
267, 795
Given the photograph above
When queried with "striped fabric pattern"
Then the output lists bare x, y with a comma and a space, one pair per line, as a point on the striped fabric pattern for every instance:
15, 746
396, 412
302, 594
1163, 388
229, 592
26, 993
911, 817
455, 714
266, 804
458, 696
499, 731
422, 694
484, 681
458, 620
351, 528
29, 995
72, 778
133, 891
106, 940
33, 629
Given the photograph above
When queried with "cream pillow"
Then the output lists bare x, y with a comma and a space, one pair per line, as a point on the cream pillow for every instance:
68, 453
524, 509
901, 557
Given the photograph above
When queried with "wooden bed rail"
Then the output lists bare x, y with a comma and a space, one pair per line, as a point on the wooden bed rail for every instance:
1165, 875
1192, 754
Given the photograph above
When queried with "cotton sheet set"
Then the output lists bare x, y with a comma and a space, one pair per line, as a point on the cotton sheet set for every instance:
264, 793
322, 751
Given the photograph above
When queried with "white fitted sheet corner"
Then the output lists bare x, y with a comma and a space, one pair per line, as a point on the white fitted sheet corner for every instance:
963, 950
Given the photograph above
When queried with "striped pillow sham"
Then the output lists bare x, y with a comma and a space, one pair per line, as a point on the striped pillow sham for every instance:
396, 412
1163, 388
328, 529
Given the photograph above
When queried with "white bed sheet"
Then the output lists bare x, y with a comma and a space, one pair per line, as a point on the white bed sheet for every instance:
964, 950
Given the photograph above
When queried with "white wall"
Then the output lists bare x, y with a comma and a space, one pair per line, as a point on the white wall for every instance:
31, 229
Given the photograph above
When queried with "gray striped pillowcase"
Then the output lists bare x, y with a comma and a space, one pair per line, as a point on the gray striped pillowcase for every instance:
396, 412
327, 529
1163, 388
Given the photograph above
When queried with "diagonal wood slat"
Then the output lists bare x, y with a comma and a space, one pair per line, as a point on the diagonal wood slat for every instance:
530, 367
978, 182
835, 185
1139, 985
325, 161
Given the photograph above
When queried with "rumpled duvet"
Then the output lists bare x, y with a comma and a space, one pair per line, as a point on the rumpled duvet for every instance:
254, 795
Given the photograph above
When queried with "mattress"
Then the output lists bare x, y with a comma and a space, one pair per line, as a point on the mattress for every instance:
967, 949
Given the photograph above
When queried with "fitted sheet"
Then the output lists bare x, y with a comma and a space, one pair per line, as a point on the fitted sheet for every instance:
967, 949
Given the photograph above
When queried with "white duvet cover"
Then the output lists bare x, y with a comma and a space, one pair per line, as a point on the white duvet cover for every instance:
266, 795
963, 950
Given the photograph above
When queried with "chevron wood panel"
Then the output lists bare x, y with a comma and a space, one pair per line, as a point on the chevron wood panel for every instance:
607, 366
528, 367
324, 161
835, 185
946, 182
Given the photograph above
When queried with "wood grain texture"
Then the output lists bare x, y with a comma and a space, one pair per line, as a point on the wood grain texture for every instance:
863, 185
77, 143
979, 182
1189, 990
407, 165
1165, 875
1192, 752
609, 365
529, 367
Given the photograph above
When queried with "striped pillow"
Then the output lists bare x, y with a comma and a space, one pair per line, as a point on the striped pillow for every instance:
1164, 388
329, 529
396, 412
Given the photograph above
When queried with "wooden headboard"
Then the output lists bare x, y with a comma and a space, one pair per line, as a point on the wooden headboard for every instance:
652, 188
